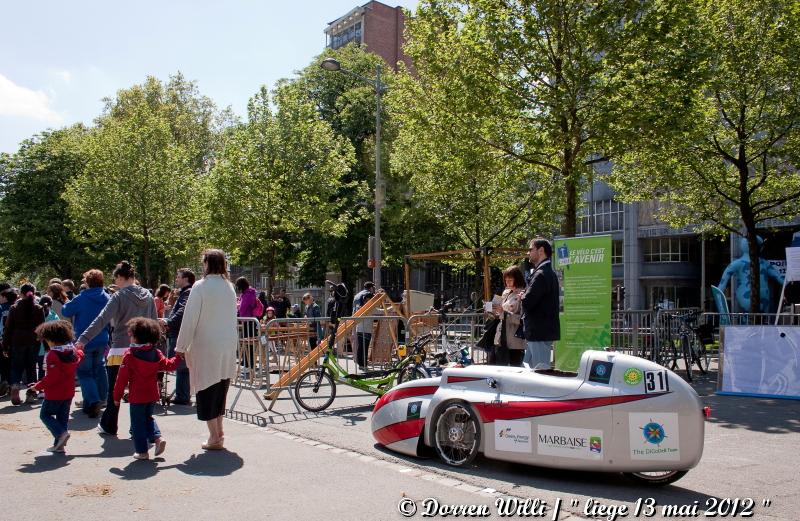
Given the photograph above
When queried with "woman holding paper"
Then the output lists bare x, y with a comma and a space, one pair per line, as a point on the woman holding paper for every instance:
510, 349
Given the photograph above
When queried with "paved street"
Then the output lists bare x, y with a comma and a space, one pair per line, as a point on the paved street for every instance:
285, 464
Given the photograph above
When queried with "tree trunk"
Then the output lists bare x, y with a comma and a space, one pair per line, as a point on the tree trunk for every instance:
570, 226
271, 272
146, 258
755, 271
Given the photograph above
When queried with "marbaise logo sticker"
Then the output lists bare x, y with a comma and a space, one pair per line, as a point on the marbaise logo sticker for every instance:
633, 376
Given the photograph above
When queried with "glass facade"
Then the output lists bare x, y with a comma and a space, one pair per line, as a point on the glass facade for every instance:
347, 35
616, 252
670, 249
600, 217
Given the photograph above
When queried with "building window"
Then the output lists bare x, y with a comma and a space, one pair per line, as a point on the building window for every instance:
347, 35
600, 217
616, 252
669, 249
668, 296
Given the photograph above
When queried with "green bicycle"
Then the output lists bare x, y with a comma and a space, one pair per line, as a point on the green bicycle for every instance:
315, 390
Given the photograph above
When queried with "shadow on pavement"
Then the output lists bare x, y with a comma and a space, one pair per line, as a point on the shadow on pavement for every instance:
603, 485
353, 416
78, 421
756, 414
45, 463
211, 463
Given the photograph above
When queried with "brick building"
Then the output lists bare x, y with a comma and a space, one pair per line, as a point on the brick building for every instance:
377, 26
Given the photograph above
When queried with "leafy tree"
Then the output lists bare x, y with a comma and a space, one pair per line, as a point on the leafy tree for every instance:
144, 162
479, 197
34, 224
718, 122
528, 82
348, 105
278, 176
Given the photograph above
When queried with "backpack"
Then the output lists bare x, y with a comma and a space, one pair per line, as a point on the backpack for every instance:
258, 311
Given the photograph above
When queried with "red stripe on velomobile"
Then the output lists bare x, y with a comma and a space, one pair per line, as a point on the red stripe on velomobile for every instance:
490, 412
399, 431
457, 379
399, 394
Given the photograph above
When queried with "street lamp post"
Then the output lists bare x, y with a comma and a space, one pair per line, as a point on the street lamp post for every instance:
331, 64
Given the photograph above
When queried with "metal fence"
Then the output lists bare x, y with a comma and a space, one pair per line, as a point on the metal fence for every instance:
637, 332
268, 351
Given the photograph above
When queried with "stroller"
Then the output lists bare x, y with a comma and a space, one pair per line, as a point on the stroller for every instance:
166, 396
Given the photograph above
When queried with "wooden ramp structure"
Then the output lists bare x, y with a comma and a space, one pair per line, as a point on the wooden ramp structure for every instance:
346, 326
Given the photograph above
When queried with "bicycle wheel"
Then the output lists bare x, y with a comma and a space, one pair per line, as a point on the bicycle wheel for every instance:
315, 390
668, 356
701, 356
411, 372
686, 354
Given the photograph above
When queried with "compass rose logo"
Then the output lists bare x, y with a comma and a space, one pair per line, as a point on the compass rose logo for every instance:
654, 433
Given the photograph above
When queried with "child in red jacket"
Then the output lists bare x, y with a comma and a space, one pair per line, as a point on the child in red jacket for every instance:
139, 372
58, 384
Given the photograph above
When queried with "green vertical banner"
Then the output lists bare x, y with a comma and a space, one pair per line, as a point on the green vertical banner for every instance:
584, 267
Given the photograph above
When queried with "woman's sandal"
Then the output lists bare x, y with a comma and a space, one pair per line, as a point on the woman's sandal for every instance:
213, 446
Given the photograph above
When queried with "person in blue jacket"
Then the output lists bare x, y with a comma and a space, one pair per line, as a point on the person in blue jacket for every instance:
91, 372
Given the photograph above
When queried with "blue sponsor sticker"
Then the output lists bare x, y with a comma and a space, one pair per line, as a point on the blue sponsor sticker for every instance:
413, 410
600, 372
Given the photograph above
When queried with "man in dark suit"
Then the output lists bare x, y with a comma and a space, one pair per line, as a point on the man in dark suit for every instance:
540, 306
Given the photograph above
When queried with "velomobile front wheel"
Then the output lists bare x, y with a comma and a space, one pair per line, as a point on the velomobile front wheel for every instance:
458, 435
656, 478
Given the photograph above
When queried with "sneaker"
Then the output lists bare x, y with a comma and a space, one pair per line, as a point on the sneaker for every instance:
141, 455
181, 402
93, 411
161, 445
55, 449
62, 440
103, 432
30, 396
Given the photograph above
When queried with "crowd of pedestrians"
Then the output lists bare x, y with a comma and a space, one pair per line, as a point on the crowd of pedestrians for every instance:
117, 341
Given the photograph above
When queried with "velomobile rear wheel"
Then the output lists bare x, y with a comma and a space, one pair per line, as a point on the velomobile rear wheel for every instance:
458, 435
656, 478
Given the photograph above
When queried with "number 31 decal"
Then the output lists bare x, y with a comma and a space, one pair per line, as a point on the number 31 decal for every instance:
656, 382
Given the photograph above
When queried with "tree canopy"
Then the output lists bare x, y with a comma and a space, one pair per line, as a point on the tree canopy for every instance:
728, 162
277, 177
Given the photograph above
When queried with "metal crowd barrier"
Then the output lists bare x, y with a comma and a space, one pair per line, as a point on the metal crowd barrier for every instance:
252, 360
452, 332
636, 332
267, 351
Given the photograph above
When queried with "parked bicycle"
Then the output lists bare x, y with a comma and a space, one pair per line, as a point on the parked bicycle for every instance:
687, 345
693, 339
315, 390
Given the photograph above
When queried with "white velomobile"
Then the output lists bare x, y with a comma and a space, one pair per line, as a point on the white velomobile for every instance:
618, 413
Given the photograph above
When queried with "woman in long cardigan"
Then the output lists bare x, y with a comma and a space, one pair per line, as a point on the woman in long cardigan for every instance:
209, 339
